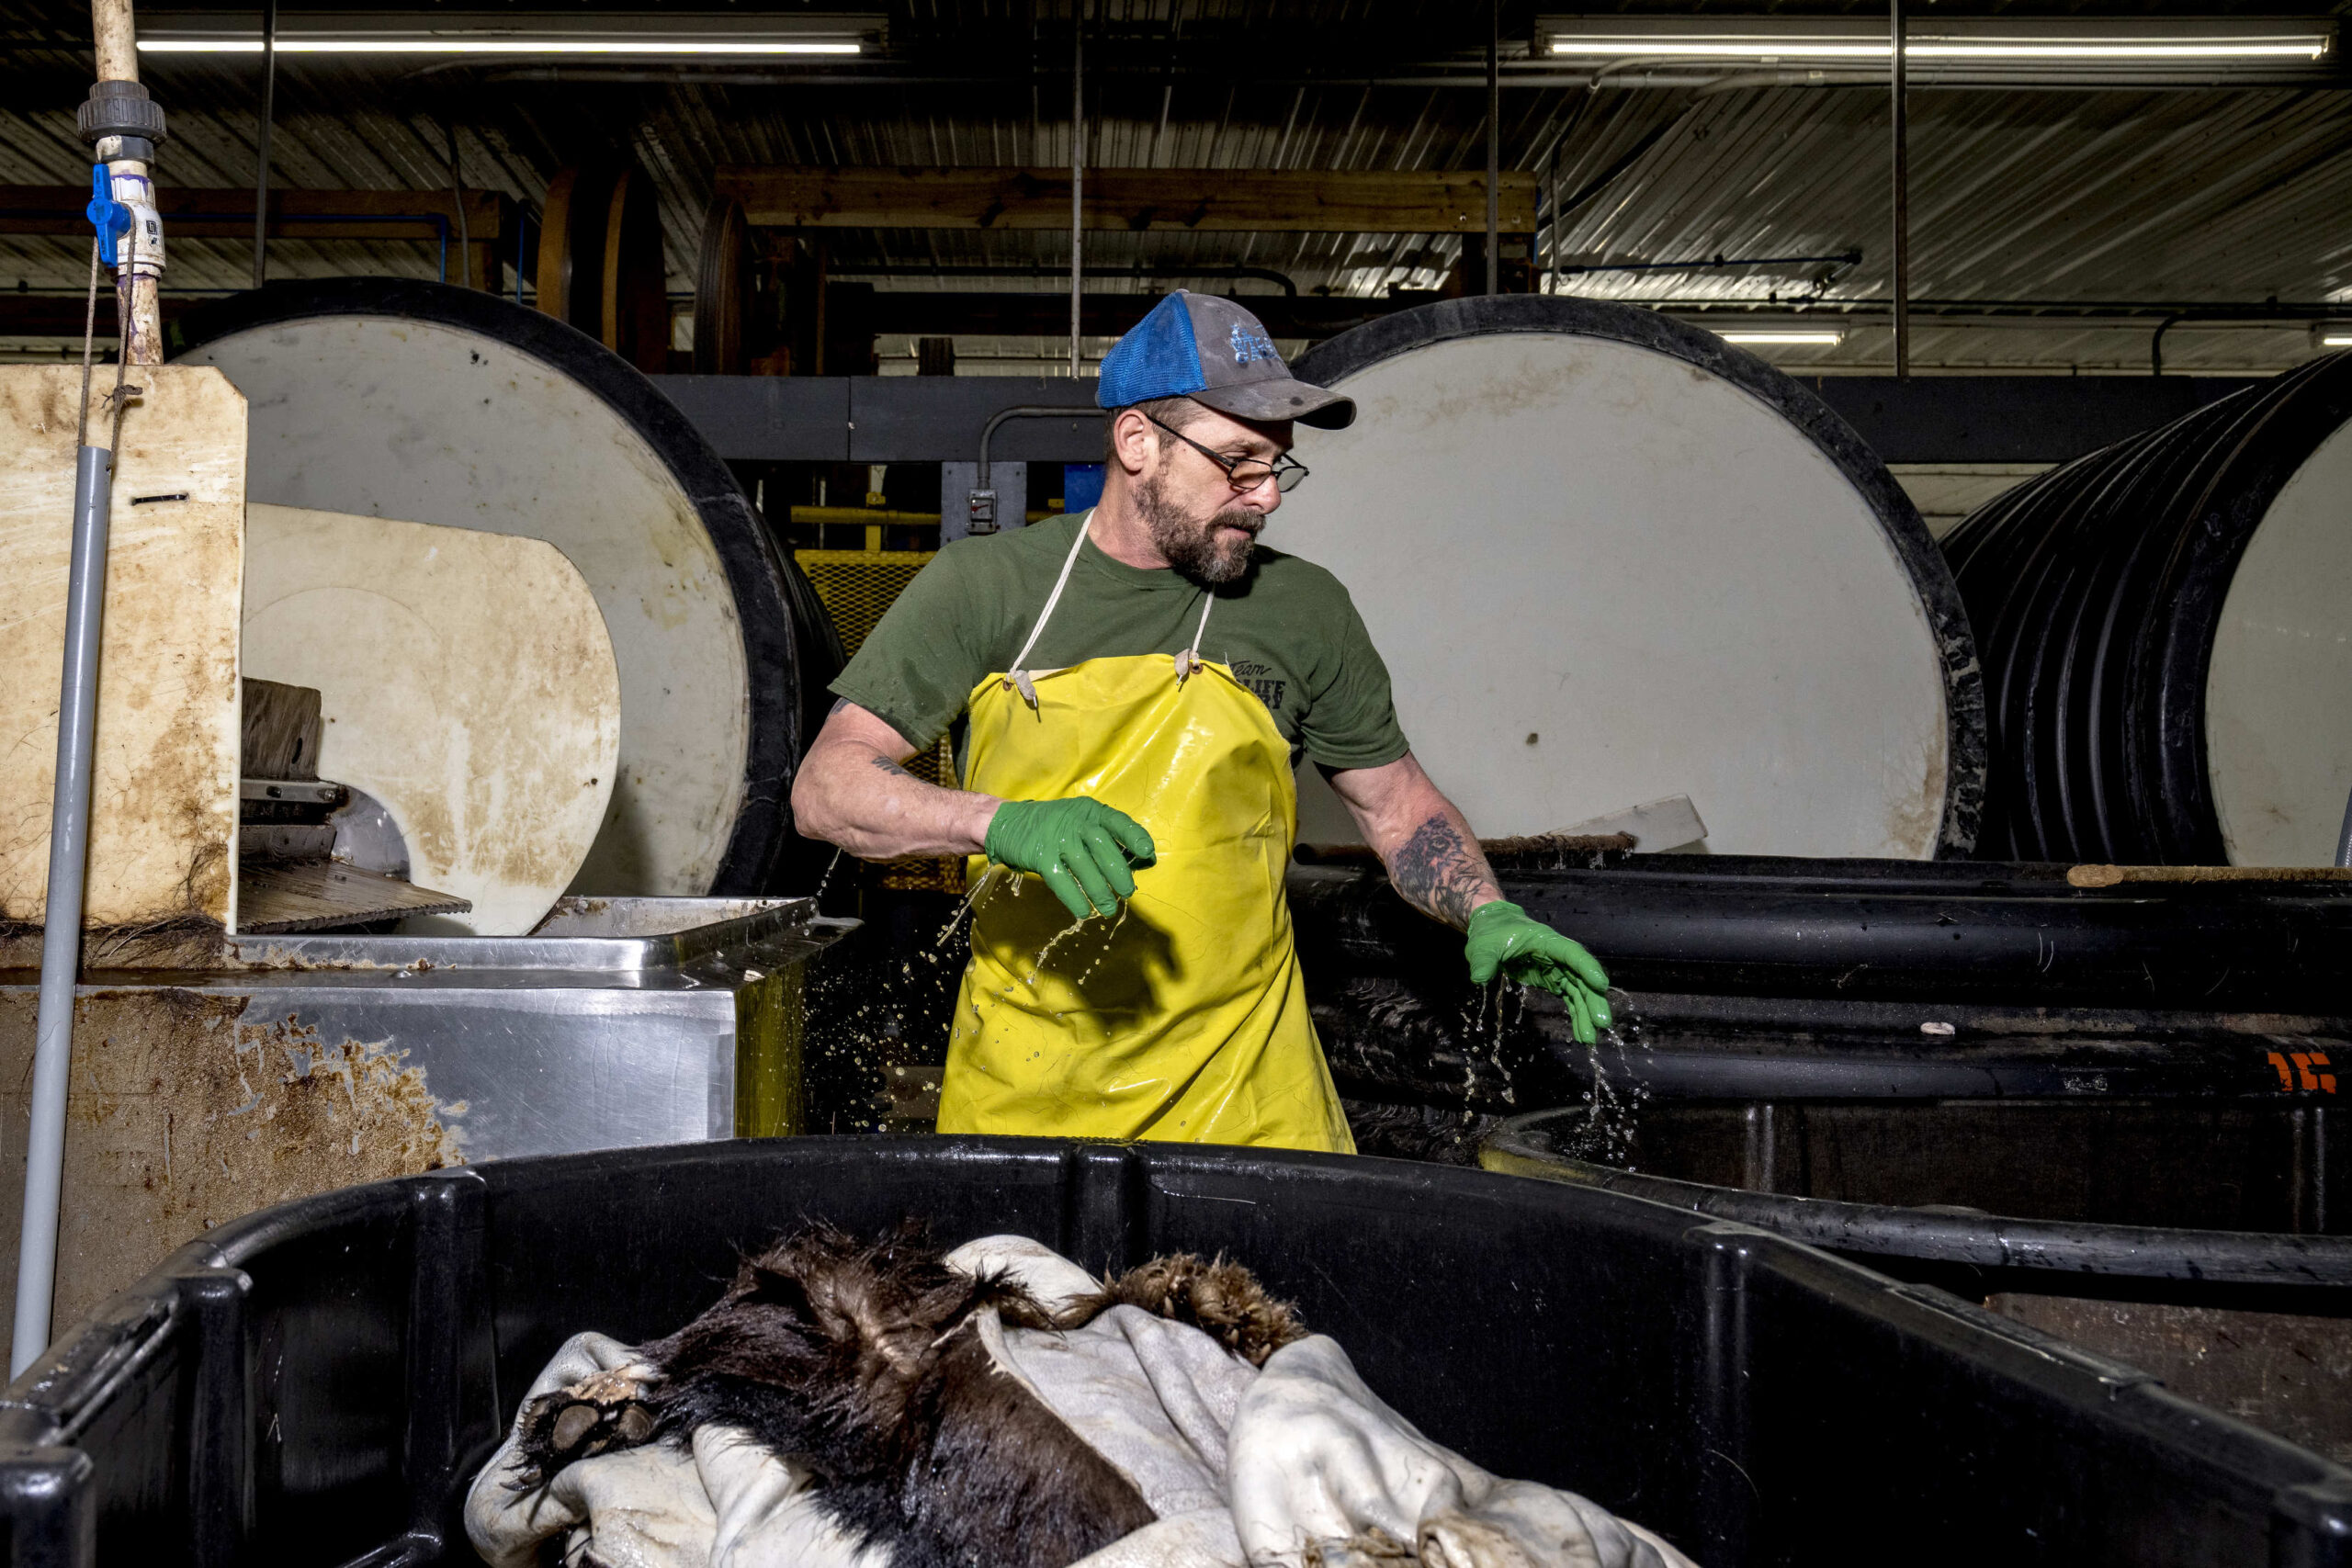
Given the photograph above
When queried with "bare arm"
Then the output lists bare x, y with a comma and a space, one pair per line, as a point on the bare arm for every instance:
1432, 857
852, 791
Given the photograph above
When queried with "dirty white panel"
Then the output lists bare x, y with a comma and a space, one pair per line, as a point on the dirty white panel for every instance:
164, 793
1601, 576
2279, 692
466, 682
405, 419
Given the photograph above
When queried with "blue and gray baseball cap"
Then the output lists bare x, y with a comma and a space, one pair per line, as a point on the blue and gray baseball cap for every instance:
1213, 352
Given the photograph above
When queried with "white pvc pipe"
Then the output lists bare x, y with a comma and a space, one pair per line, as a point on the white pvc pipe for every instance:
61, 952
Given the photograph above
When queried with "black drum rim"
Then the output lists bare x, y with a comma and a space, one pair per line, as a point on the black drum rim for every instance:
2301, 410
757, 575
2099, 588
1923, 564
719, 279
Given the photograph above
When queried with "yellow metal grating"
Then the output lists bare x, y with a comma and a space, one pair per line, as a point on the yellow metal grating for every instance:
857, 586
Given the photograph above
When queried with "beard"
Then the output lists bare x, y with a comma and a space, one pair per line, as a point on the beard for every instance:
1200, 549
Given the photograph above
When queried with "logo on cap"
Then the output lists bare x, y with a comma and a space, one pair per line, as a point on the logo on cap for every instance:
1249, 346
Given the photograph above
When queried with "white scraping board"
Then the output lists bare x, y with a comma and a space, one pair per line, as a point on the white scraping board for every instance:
466, 682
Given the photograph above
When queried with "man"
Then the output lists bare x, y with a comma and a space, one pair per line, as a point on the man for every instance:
1131, 690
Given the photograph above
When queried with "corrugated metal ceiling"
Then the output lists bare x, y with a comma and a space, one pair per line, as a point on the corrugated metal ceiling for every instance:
2082, 199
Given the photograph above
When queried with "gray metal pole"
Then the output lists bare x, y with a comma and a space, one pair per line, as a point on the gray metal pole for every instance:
261, 158
1494, 143
1076, 168
1902, 284
60, 952
1558, 236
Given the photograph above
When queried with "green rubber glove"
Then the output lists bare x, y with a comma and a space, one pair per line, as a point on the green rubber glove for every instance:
1080, 847
1504, 937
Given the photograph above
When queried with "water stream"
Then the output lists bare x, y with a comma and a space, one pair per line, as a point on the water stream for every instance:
1607, 1134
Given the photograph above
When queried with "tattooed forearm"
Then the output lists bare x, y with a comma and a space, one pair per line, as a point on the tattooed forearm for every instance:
837, 797
1439, 872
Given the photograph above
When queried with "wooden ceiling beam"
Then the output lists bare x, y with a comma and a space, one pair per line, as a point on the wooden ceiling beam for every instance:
226, 213
1183, 200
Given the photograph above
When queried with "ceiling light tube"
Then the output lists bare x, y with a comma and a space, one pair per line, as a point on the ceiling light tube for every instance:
639, 49
605, 36
2015, 43
1765, 50
1821, 337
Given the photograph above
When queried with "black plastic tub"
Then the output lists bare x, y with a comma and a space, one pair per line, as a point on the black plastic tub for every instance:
315, 1384
2208, 1242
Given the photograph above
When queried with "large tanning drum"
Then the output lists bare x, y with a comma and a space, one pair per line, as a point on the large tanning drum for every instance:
1611, 559
441, 405
2166, 626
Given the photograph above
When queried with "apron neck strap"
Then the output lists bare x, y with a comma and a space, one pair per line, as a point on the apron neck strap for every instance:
1018, 676
1189, 660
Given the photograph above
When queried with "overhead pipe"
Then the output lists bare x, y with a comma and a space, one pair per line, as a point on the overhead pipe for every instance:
1710, 263
1283, 280
2268, 313
900, 75
2115, 312
1021, 410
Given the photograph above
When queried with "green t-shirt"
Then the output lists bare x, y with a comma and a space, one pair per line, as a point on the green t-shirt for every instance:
1286, 628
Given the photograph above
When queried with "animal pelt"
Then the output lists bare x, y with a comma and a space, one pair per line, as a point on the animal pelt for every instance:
1222, 1300
862, 1360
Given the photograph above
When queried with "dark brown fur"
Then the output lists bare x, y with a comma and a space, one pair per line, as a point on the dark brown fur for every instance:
859, 1359
1222, 1300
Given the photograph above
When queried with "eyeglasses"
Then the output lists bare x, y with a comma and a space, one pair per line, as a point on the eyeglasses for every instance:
1244, 473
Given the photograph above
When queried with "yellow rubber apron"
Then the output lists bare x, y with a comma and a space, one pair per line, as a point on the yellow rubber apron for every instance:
1184, 1017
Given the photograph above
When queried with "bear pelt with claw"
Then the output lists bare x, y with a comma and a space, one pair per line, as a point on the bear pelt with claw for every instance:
862, 1361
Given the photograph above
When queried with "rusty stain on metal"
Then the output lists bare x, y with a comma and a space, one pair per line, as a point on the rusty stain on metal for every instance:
185, 1114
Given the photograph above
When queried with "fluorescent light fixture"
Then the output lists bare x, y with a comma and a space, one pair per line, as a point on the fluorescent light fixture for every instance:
626, 37
2335, 337
1809, 337
2005, 44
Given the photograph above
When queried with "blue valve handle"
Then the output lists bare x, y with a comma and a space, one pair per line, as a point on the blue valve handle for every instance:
110, 218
